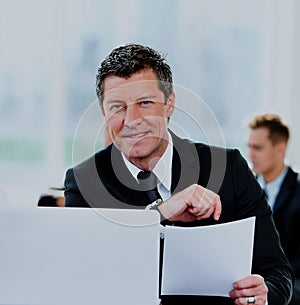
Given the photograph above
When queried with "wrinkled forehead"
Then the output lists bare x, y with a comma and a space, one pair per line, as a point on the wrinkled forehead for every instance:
118, 88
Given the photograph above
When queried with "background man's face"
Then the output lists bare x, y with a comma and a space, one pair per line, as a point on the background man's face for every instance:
263, 154
136, 114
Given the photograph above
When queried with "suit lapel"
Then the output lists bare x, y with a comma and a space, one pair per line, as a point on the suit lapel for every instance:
185, 164
120, 182
286, 189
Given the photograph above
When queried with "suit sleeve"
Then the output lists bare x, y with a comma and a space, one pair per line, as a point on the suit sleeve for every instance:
293, 227
269, 259
73, 197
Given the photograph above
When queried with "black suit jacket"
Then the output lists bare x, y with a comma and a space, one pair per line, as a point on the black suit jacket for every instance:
104, 181
286, 214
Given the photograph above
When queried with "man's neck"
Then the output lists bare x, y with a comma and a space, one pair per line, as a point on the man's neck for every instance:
147, 163
274, 173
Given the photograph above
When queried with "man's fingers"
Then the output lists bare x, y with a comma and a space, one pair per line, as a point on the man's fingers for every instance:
201, 213
204, 203
253, 285
193, 203
183, 217
218, 208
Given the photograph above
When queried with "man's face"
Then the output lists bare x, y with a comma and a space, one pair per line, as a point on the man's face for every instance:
136, 114
264, 155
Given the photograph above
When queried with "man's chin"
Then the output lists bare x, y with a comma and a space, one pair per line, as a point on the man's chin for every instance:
256, 171
137, 156
139, 150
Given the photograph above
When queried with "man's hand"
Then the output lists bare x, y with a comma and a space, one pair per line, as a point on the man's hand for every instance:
253, 285
193, 203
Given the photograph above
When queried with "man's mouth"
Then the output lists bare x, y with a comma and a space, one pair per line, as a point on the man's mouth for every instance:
137, 135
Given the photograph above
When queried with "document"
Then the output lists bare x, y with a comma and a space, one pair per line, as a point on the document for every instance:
207, 260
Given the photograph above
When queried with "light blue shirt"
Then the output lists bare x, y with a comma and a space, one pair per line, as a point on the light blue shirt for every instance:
272, 188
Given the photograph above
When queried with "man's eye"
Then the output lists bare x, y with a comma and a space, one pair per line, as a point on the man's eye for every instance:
116, 107
146, 103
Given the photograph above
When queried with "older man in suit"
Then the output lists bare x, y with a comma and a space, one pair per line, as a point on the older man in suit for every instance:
148, 165
268, 141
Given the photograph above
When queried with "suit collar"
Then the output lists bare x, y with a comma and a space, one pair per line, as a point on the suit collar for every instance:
185, 166
162, 169
286, 189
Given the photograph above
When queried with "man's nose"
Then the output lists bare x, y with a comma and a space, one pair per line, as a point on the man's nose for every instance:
132, 115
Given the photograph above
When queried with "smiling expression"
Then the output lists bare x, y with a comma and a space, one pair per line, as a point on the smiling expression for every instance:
136, 114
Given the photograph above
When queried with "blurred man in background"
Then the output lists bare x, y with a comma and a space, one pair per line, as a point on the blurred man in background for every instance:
267, 146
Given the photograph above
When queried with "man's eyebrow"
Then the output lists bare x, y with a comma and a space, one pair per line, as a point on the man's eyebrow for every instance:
114, 101
141, 98
145, 97
255, 145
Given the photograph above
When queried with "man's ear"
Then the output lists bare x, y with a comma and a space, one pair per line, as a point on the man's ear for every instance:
281, 148
170, 104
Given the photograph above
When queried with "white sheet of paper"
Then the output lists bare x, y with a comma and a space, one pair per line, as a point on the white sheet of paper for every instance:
207, 260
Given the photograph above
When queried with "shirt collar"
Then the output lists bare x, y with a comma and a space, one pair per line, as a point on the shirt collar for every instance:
163, 168
272, 188
275, 183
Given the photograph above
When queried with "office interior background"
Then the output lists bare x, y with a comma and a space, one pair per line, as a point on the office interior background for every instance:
231, 60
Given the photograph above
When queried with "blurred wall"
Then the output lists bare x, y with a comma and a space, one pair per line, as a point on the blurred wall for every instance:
231, 60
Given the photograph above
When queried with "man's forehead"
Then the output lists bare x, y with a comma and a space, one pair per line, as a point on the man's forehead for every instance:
134, 90
260, 132
112, 83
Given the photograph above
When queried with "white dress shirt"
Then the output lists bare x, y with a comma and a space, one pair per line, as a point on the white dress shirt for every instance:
162, 170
